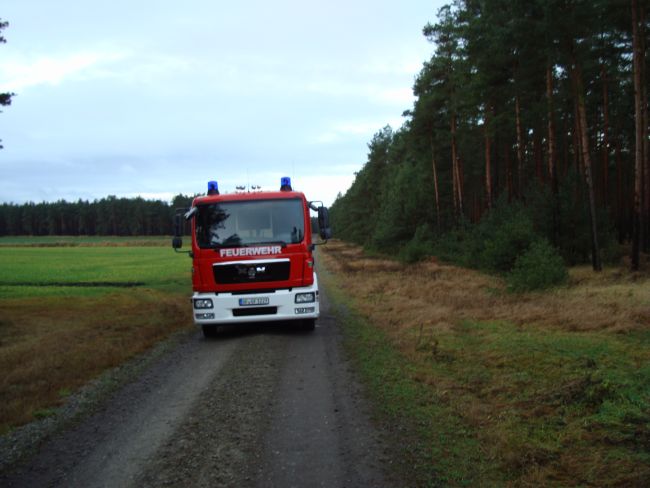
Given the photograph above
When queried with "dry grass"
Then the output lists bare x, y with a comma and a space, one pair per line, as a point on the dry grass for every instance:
50, 346
59, 328
437, 295
551, 388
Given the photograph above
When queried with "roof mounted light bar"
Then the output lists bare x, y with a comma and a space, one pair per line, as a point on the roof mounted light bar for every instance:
285, 184
213, 188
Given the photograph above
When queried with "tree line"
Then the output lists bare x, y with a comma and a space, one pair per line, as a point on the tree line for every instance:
108, 216
535, 104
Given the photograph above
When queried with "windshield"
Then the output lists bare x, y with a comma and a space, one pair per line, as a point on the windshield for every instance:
229, 224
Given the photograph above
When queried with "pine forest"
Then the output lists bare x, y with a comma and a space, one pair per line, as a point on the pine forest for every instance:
527, 140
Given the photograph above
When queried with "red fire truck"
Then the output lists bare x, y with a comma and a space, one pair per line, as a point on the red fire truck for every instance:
252, 257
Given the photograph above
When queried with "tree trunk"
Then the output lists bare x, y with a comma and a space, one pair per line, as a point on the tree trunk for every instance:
645, 213
509, 181
565, 145
461, 179
454, 164
552, 165
577, 150
435, 180
496, 189
586, 157
488, 160
637, 61
538, 157
520, 148
605, 147
620, 200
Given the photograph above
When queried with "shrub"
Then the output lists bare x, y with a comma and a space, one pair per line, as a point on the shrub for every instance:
419, 247
505, 235
455, 246
539, 268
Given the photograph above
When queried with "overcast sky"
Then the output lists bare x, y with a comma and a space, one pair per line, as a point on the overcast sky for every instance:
156, 97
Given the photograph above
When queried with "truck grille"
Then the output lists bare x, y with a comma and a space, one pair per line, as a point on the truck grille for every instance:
227, 274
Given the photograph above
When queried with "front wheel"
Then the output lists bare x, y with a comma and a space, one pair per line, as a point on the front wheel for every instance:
210, 331
308, 324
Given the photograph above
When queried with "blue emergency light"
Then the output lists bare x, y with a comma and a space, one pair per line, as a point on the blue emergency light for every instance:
213, 188
285, 184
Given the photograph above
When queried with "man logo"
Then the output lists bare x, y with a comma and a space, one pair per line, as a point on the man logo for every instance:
250, 272
253, 271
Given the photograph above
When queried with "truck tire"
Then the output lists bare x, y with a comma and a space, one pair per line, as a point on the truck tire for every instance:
210, 331
309, 324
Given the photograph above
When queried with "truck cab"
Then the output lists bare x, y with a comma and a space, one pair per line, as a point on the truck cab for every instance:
252, 257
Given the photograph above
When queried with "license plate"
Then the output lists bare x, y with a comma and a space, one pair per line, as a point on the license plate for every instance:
245, 302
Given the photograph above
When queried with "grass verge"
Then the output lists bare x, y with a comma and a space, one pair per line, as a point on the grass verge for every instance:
492, 389
419, 426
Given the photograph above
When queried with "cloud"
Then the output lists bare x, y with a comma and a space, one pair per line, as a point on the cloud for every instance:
324, 187
392, 67
54, 70
168, 97
357, 128
327, 138
394, 96
127, 169
376, 93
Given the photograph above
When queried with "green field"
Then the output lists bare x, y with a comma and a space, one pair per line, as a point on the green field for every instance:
38, 271
45, 241
72, 307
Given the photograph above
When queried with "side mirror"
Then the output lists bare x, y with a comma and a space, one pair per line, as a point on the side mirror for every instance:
178, 222
324, 223
179, 227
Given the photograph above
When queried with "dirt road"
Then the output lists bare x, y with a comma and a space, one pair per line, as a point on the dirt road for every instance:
259, 406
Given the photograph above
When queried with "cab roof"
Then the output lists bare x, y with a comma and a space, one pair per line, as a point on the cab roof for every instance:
241, 197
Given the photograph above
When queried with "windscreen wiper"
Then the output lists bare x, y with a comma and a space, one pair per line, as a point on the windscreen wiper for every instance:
250, 244
281, 243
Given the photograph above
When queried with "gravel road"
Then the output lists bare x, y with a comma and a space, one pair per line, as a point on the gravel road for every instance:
268, 406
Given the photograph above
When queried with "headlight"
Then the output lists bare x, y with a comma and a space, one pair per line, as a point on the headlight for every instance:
202, 303
305, 297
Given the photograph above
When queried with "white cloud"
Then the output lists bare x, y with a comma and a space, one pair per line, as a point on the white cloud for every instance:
127, 169
359, 128
152, 69
402, 97
324, 187
53, 70
392, 67
398, 95
327, 138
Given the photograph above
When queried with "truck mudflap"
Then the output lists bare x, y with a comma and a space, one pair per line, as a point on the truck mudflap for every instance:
270, 305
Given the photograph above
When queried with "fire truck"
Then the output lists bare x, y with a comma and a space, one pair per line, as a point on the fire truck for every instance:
252, 256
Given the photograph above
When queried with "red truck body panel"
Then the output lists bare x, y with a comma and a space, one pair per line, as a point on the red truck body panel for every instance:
299, 255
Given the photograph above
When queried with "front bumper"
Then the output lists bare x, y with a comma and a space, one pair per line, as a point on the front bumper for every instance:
281, 306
